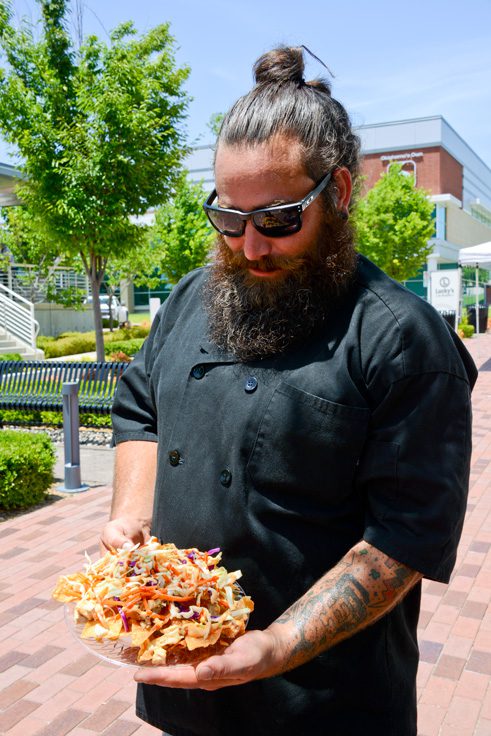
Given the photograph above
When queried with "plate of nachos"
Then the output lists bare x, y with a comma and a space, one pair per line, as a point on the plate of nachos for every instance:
155, 604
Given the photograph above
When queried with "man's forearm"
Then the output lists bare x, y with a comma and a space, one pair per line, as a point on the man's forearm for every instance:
135, 471
361, 588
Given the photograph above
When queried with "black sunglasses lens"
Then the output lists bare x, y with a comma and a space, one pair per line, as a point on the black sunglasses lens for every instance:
227, 223
278, 222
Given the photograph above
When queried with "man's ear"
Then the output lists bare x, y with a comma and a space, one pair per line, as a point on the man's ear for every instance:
344, 187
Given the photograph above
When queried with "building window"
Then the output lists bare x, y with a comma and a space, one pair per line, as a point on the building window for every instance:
408, 168
481, 216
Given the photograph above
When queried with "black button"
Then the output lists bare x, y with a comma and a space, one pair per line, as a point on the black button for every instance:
225, 478
250, 384
174, 457
198, 371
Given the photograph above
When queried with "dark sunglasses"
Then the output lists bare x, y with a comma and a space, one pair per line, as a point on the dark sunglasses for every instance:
275, 222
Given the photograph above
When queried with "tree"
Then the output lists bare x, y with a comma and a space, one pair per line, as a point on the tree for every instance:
179, 241
215, 123
97, 131
26, 244
394, 223
181, 237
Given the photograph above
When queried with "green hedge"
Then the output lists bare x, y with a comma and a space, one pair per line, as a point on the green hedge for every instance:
10, 356
20, 417
67, 345
72, 343
26, 469
129, 347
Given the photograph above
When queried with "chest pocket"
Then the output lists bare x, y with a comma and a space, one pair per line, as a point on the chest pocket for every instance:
307, 444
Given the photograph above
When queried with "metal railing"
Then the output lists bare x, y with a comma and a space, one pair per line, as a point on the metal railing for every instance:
17, 317
24, 279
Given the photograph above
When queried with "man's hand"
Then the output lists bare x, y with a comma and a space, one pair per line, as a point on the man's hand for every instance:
124, 531
253, 656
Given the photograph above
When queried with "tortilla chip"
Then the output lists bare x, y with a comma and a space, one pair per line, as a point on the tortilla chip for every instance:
114, 627
159, 656
139, 634
145, 653
171, 635
233, 628
94, 630
194, 642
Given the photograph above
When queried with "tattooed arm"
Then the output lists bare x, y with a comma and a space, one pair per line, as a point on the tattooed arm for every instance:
361, 588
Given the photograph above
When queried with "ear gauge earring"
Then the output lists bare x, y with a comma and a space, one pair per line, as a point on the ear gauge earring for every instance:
343, 215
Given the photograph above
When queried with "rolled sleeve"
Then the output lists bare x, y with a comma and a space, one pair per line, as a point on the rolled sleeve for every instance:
134, 415
414, 472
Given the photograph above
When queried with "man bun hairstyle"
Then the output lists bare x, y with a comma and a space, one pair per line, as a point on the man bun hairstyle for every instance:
283, 103
280, 65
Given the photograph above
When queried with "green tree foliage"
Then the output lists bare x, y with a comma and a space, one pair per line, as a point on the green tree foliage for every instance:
394, 223
215, 123
181, 237
97, 130
179, 241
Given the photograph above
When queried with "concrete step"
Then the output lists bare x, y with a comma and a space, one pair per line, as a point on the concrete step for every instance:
9, 344
25, 353
6, 342
15, 349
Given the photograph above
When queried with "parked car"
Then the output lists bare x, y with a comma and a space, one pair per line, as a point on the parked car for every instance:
118, 313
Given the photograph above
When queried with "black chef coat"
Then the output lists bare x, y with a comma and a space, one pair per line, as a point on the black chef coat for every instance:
362, 431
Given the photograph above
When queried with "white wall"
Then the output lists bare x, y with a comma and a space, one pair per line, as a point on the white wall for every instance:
54, 319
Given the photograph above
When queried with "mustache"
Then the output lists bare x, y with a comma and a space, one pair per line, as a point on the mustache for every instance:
236, 262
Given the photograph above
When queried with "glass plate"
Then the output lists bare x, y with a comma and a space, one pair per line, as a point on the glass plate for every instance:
120, 652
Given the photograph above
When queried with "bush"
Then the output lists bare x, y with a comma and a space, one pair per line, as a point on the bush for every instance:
19, 417
69, 345
129, 347
11, 356
73, 343
141, 330
22, 417
26, 469
465, 329
119, 357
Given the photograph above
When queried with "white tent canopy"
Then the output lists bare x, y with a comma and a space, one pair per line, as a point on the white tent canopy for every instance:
476, 255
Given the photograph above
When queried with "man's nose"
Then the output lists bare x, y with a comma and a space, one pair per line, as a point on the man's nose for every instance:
254, 245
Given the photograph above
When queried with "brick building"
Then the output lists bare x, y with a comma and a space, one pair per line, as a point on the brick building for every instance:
458, 181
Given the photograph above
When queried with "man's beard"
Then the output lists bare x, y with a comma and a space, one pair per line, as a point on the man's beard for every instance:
255, 318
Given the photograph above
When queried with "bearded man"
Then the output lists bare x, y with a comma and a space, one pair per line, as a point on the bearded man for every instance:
297, 408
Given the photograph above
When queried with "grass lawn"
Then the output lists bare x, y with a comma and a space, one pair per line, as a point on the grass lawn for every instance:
136, 318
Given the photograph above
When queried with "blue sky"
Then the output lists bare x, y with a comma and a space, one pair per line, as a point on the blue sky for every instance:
391, 60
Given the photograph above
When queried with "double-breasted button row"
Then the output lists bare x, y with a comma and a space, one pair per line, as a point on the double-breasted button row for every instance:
198, 371
226, 477
250, 384
174, 457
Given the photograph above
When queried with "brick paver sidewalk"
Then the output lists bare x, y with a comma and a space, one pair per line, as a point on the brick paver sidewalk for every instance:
50, 687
